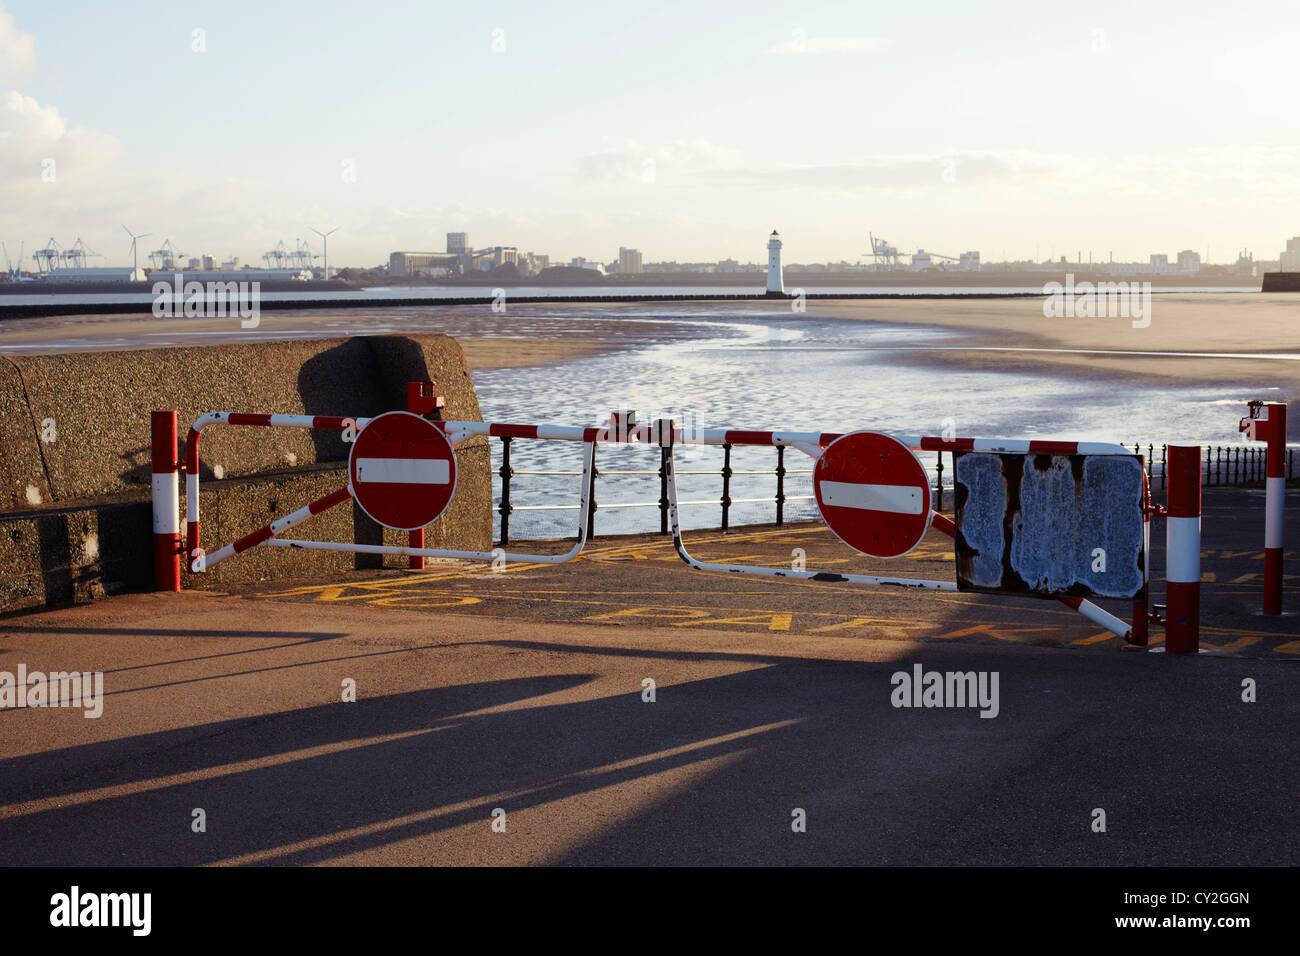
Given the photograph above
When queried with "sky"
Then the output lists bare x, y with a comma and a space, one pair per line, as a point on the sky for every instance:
688, 130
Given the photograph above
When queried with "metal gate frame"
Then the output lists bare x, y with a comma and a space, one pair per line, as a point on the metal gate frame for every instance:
622, 429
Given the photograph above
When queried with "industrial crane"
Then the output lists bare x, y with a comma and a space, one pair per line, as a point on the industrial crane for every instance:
302, 256
164, 258
881, 249
15, 272
51, 258
278, 257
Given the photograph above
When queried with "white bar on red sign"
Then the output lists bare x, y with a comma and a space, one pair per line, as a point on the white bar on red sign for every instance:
896, 499
403, 471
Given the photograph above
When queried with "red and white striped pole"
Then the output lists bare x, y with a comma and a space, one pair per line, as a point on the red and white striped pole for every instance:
1183, 550
1267, 423
166, 502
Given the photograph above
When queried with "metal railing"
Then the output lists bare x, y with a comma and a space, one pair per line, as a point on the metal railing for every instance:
505, 508
1223, 465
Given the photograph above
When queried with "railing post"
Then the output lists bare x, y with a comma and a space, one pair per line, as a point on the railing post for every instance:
591, 493
1183, 551
726, 484
938, 491
780, 484
166, 502
506, 474
1139, 636
663, 490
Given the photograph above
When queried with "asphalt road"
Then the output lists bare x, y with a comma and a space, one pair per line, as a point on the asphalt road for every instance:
520, 699
640, 580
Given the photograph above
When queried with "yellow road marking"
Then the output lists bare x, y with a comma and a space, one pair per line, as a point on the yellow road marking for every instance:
776, 622
889, 627
654, 613
399, 601
995, 630
1097, 638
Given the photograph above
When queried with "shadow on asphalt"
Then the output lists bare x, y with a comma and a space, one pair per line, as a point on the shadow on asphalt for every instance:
1184, 770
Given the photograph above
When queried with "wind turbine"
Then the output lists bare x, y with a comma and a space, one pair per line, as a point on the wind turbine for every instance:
325, 239
134, 260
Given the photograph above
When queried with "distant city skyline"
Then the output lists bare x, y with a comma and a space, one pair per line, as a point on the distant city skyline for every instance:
1022, 131
461, 256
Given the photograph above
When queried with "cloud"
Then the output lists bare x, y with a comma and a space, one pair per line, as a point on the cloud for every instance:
632, 161
17, 50
31, 133
799, 43
1258, 167
913, 171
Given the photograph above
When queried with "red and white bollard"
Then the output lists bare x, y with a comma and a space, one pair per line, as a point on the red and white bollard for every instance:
1267, 423
166, 503
1183, 551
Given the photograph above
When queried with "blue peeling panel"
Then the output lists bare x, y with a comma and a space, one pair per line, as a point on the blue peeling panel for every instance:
1043, 542
982, 517
1049, 525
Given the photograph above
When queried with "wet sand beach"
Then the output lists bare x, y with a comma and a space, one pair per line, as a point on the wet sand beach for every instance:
1241, 336
1251, 326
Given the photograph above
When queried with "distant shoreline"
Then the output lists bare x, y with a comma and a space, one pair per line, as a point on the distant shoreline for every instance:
793, 279
54, 309
37, 287
58, 306
745, 283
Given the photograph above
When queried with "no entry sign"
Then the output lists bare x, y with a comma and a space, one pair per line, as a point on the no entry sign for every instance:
402, 471
874, 494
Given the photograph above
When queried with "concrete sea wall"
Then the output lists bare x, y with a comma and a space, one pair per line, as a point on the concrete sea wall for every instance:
74, 457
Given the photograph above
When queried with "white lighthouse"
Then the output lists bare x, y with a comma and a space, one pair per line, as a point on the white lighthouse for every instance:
775, 282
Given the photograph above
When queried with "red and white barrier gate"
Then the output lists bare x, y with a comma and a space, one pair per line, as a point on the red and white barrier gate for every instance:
870, 489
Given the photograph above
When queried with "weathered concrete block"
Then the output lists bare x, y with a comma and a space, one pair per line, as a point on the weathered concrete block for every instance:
100, 402
66, 555
22, 465
90, 531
